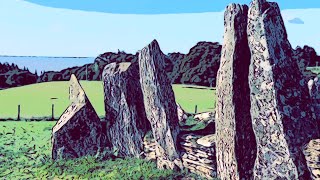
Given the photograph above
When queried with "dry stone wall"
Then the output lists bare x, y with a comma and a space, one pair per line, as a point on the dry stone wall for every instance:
197, 153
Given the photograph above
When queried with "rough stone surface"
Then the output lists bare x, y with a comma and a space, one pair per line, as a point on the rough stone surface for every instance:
314, 92
198, 154
202, 123
236, 145
160, 105
78, 132
182, 115
280, 104
127, 123
312, 154
207, 141
206, 116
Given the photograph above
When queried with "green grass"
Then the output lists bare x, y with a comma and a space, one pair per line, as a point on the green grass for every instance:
35, 100
25, 154
315, 70
24, 147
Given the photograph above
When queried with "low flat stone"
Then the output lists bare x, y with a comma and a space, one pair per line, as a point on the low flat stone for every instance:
150, 156
189, 137
197, 163
202, 174
206, 170
206, 151
206, 116
191, 157
207, 141
189, 144
205, 161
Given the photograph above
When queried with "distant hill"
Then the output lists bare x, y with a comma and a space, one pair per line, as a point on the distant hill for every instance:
306, 57
198, 67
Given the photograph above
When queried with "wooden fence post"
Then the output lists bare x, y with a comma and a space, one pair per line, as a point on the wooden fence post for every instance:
18, 113
196, 109
52, 109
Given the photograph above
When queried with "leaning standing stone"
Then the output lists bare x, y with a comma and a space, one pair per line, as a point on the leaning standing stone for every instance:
160, 105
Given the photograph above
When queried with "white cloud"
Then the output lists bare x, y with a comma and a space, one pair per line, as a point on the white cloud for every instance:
303, 34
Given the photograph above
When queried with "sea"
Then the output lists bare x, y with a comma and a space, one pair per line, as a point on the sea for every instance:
41, 63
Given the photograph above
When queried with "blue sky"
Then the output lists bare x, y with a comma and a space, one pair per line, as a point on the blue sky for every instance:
74, 28
162, 6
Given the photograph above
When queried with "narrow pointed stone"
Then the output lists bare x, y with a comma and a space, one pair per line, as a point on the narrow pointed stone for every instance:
78, 132
236, 144
160, 105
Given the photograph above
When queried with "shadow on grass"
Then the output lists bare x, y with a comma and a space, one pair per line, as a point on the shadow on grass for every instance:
202, 88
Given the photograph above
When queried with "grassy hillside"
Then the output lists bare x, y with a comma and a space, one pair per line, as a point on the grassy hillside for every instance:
35, 100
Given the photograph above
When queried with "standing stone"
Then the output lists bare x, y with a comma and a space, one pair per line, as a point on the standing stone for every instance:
160, 105
280, 104
236, 144
125, 114
78, 132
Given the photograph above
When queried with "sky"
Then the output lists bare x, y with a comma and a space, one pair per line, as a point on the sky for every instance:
162, 6
86, 28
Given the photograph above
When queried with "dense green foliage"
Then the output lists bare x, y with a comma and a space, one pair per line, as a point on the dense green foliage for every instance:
198, 67
306, 57
35, 100
12, 76
25, 154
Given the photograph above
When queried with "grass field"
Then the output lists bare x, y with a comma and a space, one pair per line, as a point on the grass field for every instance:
25, 153
36, 102
25, 147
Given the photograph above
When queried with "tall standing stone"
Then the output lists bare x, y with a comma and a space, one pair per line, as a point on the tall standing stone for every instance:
78, 132
235, 143
160, 105
280, 104
127, 123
